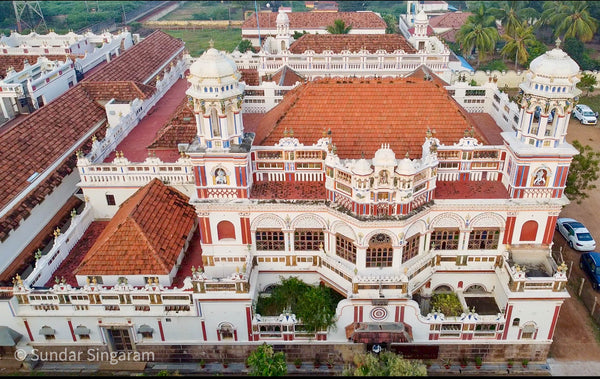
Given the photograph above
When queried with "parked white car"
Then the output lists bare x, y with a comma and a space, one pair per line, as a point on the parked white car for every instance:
585, 114
577, 235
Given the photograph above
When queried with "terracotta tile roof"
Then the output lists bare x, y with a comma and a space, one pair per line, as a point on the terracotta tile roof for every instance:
449, 20
181, 128
449, 35
18, 61
288, 190
286, 77
316, 20
119, 90
251, 121
250, 76
353, 42
488, 127
365, 113
484, 189
146, 235
141, 61
40, 139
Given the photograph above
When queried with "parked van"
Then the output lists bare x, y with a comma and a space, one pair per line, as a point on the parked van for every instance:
585, 114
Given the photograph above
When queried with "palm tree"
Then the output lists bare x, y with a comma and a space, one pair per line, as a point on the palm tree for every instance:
570, 19
512, 13
481, 15
476, 36
339, 27
517, 43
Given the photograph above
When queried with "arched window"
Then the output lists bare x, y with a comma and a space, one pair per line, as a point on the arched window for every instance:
214, 123
442, 289
380, 251
225, 229
528, 331
475, 288
529, 231
411, 249
516, 321
226, 331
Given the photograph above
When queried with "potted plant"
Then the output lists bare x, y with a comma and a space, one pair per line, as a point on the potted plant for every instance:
297, 362
525, 362
427, 363
317, 361
510, 363
330, 362
202, 363
446, 362
247, 363
463, 362
225, 363
478, 362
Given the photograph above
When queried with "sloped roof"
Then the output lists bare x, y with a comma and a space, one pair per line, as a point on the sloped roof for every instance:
145, 236
316, 20
18, 61
365, 113
140, 62
249, 76
352, 42
119, 90
452, 20
286, 76
181, 128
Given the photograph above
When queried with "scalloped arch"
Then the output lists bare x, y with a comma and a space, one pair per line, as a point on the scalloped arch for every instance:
448, 220
308, 220
267, 221
417, 227
488, 219
394, 237
343, 228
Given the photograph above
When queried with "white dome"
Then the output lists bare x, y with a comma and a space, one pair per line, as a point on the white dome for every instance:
282, 18
214, 65
405, 166
362, 167
384, 157
555, 64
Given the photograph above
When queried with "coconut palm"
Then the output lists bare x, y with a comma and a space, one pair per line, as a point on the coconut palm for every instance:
517, 43
512, 13
476, 36
481, 15
339, 27
570, 19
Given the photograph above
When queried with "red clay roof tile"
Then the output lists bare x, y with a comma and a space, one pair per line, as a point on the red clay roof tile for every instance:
352, 42
146, 235
316, 20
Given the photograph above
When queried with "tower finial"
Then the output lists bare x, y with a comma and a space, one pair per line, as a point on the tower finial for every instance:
558, 41
211, 43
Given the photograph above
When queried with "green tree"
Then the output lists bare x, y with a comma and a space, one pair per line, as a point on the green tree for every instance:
476, 36
481, 14
391, 24
587, 83
264, 362
570, 19
339, 27
512, 14
446, 303
315, 309
385, 363
298, 34
582, 172
517, 43
244, 45
535, 50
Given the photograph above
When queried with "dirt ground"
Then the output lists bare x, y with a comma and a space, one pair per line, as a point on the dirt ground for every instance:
574, 338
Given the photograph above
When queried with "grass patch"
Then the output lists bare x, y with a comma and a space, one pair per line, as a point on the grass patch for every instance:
592, 101
595, 329
197, 41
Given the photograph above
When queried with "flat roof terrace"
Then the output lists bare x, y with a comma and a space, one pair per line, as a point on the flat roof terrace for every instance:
135, 145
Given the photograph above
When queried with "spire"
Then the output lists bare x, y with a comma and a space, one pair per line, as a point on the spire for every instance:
211, 43
558, 41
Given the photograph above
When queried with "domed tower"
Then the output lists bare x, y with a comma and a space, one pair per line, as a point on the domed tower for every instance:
419, 36
548, 96
283, 36
217, 96
221, 152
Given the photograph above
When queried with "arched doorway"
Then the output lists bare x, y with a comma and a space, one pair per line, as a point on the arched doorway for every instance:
529, 231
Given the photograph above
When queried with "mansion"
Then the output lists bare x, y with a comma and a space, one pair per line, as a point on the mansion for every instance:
388, 190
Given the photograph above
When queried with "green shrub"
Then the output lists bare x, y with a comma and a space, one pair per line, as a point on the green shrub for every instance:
447, 303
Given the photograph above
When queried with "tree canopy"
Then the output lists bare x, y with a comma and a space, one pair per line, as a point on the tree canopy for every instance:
570, 19
264, 362
339, 27
582, 173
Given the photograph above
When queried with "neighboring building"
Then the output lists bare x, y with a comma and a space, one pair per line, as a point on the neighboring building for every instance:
431, 8
387, 190
311, 22
38, 166
35, 69
447, 25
